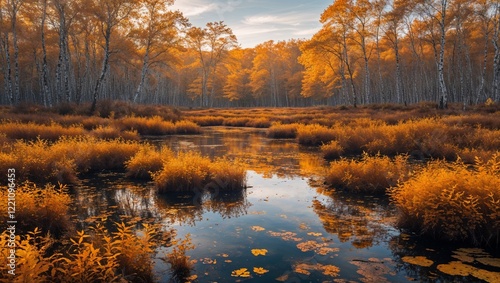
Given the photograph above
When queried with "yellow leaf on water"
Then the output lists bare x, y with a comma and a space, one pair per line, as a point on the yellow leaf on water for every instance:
258, 228
257, 252
260, 270
489, 261
242, 272
418, 260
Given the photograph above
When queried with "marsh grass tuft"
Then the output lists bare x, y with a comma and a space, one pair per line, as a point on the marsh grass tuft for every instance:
180, 263
190, 170
371, 174
282, 131
451, 201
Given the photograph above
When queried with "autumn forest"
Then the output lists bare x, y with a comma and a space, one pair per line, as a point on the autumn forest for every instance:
378, 51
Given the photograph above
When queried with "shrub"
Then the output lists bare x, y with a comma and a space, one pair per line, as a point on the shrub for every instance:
32, 131
146, 162
180, 263
235, 122
187, 127
282, 131
147, 126
452, 202
332, 150
371, 174
44, 207
207, 120
314, 135
189, 171
259, 123
111, 132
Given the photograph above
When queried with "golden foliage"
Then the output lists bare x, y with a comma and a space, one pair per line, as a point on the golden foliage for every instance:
181, 264
418, 260
147, 161
44, 207
282, 131
33, 131
314, 135
372, 174
452, 201
190, 170
257, 252
332, 150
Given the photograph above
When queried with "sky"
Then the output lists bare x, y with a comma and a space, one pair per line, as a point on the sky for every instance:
257, 21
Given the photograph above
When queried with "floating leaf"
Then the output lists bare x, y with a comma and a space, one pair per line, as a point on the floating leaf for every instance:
319, 248
242, 272
287, 236
257, 252
258, 228
489, 261
418, 260
260, 270
306, 268
458, 268
314, 234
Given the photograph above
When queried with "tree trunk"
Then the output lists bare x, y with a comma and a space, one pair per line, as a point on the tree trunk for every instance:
47, 96
144, 71
104, 69
443, 101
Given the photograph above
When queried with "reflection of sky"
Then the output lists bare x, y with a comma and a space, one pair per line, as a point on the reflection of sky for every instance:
256, 21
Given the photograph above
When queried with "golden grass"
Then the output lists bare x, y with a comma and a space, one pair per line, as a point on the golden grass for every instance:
205, 121
189, 170
259, 123
332, 150
282, 131
314, 135
32, 131
453, 202
187, 127
147, 126
157, 126
62, 161
44, 207
111, 132
147, 162
236, 122
371, 174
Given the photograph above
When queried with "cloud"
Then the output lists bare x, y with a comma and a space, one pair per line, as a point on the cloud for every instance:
194, 8
289, 19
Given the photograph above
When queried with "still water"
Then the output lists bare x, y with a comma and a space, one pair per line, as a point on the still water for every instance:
285, 227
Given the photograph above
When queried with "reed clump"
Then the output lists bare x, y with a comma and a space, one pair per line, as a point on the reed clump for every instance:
453, 202
180, 263
186, 127
190, 170
206, 121
282, 131
370, 174
155, 125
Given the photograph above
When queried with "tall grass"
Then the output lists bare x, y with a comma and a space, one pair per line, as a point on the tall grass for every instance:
453, 202
371, 174
62, 161
156, 125
190, 170
32, 131
180, 263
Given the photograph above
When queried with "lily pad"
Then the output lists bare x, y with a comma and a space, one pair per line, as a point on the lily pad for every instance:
417, 260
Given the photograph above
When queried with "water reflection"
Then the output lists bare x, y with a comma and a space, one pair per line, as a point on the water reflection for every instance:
188, 208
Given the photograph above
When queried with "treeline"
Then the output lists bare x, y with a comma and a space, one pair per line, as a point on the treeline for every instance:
380, 51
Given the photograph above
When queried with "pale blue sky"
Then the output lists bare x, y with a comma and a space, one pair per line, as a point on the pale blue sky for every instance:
257, 21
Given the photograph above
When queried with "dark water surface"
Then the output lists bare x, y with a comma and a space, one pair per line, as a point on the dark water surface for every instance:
285, 222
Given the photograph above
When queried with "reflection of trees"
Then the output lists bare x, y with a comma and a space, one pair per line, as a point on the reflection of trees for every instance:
358, 221
189, 208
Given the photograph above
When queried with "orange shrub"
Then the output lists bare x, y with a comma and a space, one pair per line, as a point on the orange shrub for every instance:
282, 131
451, 202
147, 126
332, 150
371, 174
187, 127
111, 132
146, 162
314, 135
190, 171
207, 120
235, 122
44, 207
258, 123
32, 131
